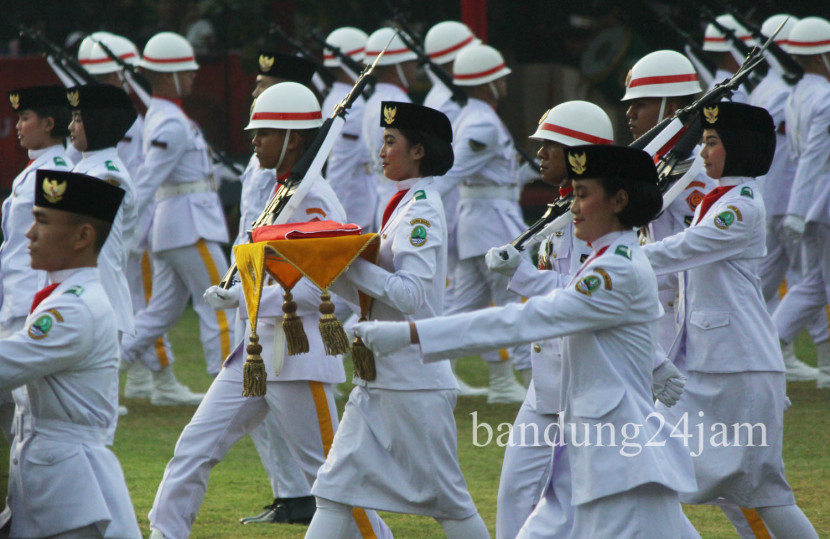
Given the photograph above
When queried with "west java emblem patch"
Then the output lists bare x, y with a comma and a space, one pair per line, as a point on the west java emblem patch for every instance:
724, 220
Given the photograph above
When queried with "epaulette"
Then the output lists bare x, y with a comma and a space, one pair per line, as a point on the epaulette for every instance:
623, 250
746, 191
76, 290
111, 166
420, 195
59, 161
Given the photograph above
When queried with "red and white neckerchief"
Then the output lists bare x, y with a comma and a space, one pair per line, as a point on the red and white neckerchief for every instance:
41, 295
710, 199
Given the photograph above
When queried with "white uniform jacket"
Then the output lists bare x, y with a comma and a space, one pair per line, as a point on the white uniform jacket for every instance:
485, 173
725, 324
319, 204
348, 166
738, 96
18, 281
257, 189
373, 140
772, 94
439, 98
62, 476
112, 261
808, 135
176, 159
608, 315
408, 283
560, 256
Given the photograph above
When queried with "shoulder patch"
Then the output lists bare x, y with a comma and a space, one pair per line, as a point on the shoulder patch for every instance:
746, 191
419, 195
591, 283
623, 250
477, 146
737, 212
116, 183
724, 219
77, 290
158, 144
418, 236
694, 199
43, 324
59, 161
111, 166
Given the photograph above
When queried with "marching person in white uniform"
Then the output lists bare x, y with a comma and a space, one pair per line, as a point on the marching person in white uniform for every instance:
101, 115
660, 84
63, 480
395, 449
727, 59
299, 390
607, 313
488, 210
394, 73
347, 169
783, 260
188, 223
42, 126
726, 345
808, 212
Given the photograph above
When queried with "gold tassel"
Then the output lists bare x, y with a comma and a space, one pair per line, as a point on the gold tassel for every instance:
334, 336
292, 325
253, 372
363, 359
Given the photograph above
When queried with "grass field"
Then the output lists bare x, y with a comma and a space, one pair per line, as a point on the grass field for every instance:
145, 439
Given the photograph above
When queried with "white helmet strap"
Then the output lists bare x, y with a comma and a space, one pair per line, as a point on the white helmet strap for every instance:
826, 63
494, 90
282, 152
176, 82
401, 75
662, 110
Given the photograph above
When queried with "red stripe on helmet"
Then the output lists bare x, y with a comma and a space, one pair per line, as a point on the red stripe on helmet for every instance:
315, 115
169, 60
662, 79
480, 74
453, 48
809, 43
579, 135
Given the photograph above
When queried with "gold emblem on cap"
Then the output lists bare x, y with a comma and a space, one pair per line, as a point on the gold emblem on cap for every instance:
711, 114
14, 98
578, 162
545, 115
73, 98
52, 190
389, 114
266, 62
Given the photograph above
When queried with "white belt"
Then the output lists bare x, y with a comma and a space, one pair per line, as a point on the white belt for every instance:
503, 192
55, 429
189, 188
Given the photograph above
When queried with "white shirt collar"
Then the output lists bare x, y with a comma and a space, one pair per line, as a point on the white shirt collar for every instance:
726, 181
34, 154
60, 276
606, 240
403, 185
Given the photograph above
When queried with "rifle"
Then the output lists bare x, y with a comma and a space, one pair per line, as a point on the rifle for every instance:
349, 64
136, 80
288, 198
65, 66
322, 72
741, 47
790, 70
661, 140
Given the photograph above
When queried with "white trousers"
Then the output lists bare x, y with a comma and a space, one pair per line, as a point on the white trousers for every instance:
285, 475
305, 409
179, 274
476, 287
140, 278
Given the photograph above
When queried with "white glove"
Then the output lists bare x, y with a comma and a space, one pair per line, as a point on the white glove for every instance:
383, 338
667, 383
504, 259
220, 299
793, 227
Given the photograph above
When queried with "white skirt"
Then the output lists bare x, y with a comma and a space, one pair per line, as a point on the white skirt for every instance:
397, 451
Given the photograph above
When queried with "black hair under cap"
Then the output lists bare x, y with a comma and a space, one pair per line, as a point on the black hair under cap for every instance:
77, 193
399, 115
286, 67
35, 97
747, 134
107, 112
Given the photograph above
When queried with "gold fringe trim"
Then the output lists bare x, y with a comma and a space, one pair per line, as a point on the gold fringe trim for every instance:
295, 337
253, 372
334, 336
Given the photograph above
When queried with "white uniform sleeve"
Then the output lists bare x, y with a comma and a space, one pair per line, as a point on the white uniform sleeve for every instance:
165, 149
529, 281
52, 341
813, 163
473, 149
569, 310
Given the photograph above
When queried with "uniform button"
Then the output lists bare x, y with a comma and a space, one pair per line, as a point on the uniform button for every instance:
554, 255
671, 304
537, 348
383, 236
50, 459
706, 323
15, 462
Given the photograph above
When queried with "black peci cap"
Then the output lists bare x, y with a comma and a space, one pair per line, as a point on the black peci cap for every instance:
605, 161
401, 115
98, 96
286, 67
37, 96
747, 134
77, 193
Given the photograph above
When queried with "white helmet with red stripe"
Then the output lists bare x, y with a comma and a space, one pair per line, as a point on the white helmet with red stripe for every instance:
661, 74
396, 53
286, 105
478, 64
350, 40
99, 62
445, 40
168, 52
772, 23
88, 42
810, 36
575, 122
715, 41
